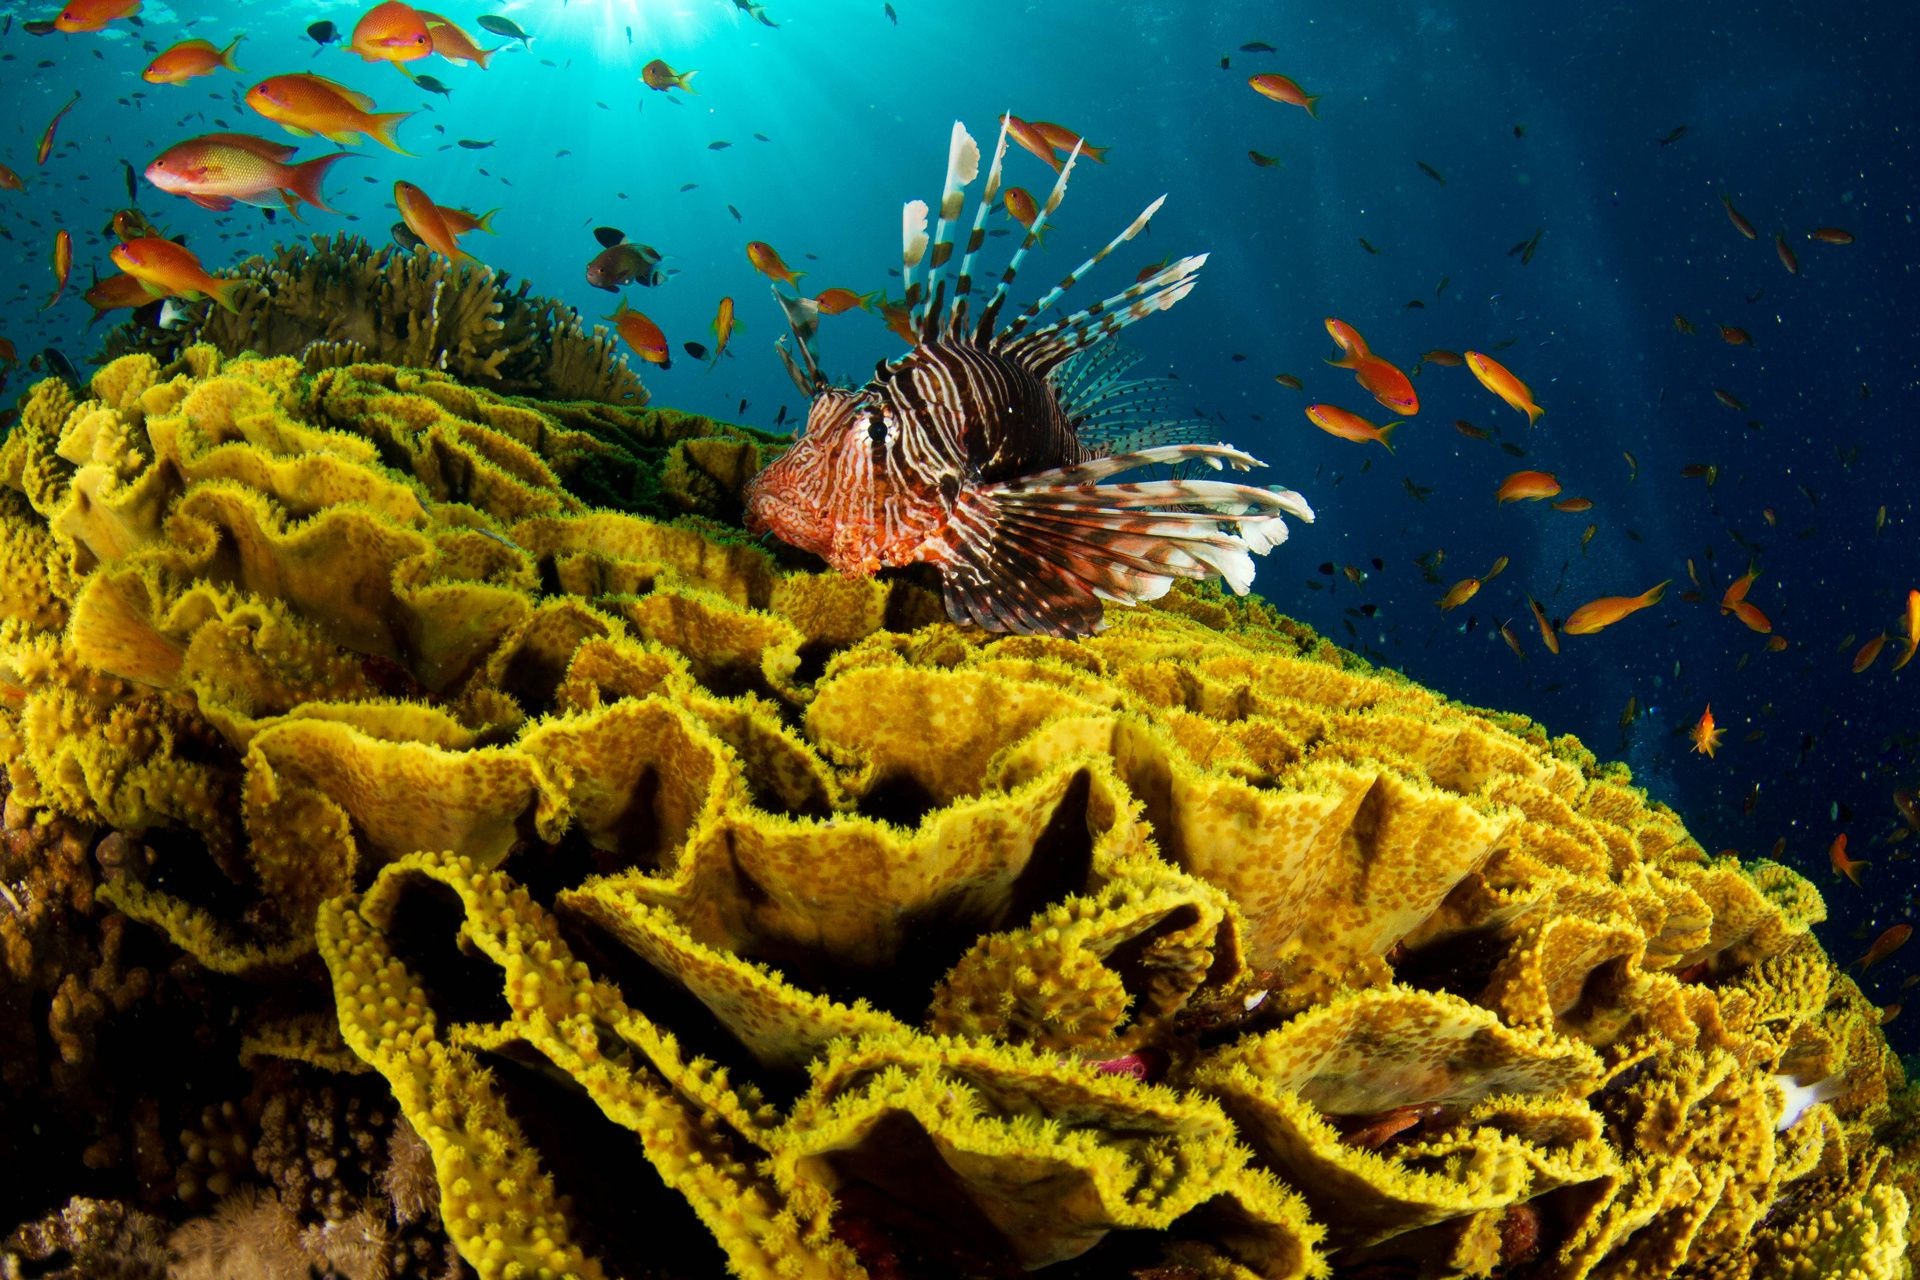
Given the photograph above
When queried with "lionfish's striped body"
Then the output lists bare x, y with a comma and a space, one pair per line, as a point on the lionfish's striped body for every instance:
981, 450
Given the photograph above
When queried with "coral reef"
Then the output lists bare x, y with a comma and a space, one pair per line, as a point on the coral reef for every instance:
489, 878
333, 302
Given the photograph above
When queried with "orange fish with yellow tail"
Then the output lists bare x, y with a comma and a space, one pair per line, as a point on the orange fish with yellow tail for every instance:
1705, 737
1596, 615
62, 264
660, 77
1837, 855
766, 260
1548, 636
1883, 946
1524, 486
453, 44
642, 334
93, 15
1353, 347
1500, 380
216, 169
1336, 421
392, 32
189, 60
171, 270
1061, 138
304, 104
424, 219
1283, 89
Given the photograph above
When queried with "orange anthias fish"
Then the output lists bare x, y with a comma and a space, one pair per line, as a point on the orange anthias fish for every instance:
1706, 738
1913, 629
1599, 614
53, 126
975, 454
1524, 486
171, 270
1883, 946
1737, 590
1061, 138
113, 292
722, 326
657, 75
1383, 380
189, 60
1548, 636
62, 264
1022, 208
455, 45
1353, 347
1574, 505
1831, 235
833, 302
391, 32
1837, 854
305, 104
766, 260
1458, 594
1749, 613
459, 221
94, 15
1281, 89
1869, 653
1031, 139
424, 218
1498, 379
1336, 421
642, 334
216, 169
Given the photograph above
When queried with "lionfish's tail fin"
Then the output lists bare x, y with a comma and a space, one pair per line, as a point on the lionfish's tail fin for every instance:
1046, 347
957, 317
803, 318
985, 328
1038, 554
1112, 413
1131, 230
963, 165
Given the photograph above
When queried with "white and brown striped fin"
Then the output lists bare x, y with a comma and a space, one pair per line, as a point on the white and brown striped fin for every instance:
1044, 348
957, 315
984, 329
1039, 554
913, 247
1113, 413
1039, 305
963, 165
803, 318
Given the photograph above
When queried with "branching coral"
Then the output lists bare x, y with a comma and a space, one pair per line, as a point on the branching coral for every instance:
682, 912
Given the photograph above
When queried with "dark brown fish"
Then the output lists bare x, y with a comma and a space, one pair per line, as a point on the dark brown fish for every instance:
981, 450
1739, 220
623, 262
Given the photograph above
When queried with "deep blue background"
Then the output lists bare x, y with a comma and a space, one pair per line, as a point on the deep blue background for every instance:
1804, 115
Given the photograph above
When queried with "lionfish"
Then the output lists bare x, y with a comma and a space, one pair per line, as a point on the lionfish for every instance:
981, 450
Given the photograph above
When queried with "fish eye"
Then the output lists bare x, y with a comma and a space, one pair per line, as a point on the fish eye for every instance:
876, 428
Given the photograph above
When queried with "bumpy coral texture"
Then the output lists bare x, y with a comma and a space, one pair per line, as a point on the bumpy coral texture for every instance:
340, 301
695, 914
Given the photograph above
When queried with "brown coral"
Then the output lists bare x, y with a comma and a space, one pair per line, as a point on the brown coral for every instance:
757, 919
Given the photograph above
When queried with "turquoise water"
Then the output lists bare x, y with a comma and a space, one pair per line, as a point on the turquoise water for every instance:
1561, 123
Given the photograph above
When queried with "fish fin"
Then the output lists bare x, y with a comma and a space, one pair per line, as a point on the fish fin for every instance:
219, 204
963, 165
680, 81
485, 222
913, 247
1312, 104
1040, 304
296, 130
1112, 413
957, 317
484, 56
1039, 554
803, 319
227, 291
1534, 413
226, 54
1044, 348
382, 128
343, 137
1034, 228
305, 178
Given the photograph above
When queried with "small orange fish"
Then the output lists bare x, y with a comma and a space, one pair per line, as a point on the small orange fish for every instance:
642, 334
62, 264
1837, 854
1290, 382
1548, 636
113, 292
1735, 336
1458, 594
833, 302
1383, 380
1281, 89
1749, 613
1498, 379
391, 32
1885, 945
1353, 347
1737, 589
1061, 138
305, 104
722, 326
1908, 803
171, 270
766, 260
1513, 641
1336, 421
1022, 209
1739, 220
1869, 652
189, 60
1604, 612
1444, 358
1830, 235
899, 318
216, 169
93, 15
1913, 629
1706, 738
53, 127
1031, 139
1776, 644
455, 45
459, 221
1787, 257
424, 219
1574, 504
1524, 486
659, 76
10, 181
1470, 431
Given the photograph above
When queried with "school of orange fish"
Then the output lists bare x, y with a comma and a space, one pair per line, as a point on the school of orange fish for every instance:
216, 170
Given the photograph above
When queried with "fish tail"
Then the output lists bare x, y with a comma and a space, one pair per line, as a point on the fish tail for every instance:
226, 54
1096, 154
485, 222
680, 81
1312, 103
381, 128
1534, 413
1387, 431
484, 56
1653, 594
963, 165
303, 180
1034, 228
226, 293
957, 318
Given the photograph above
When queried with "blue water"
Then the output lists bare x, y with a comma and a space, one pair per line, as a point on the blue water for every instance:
1538, 117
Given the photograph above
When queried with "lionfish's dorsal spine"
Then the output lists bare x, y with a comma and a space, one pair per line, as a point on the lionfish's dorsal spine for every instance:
957, 317
803, 318
1054, 343
963, 165
913, 247
1132, 229
984, 330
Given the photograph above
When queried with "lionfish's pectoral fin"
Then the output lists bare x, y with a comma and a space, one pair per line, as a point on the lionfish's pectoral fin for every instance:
1038, 555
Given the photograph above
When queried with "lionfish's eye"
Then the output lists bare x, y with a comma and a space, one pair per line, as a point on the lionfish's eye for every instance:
876, 428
